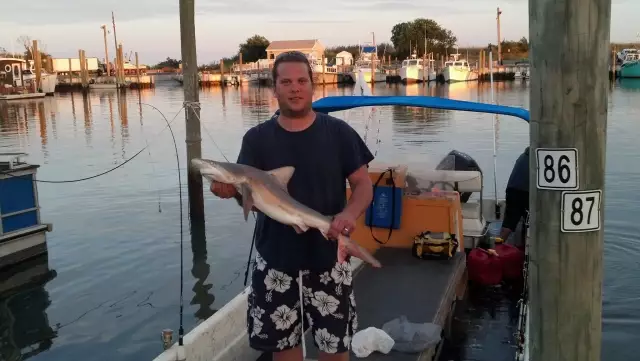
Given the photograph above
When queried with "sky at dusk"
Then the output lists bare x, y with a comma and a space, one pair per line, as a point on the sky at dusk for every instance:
152, 27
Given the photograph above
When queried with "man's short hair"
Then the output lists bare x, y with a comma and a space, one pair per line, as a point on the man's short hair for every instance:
290, 57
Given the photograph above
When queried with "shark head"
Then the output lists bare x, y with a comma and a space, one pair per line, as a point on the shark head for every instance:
217, 171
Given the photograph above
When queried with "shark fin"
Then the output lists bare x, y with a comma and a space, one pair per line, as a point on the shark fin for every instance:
300, 229
247, 201
282, 175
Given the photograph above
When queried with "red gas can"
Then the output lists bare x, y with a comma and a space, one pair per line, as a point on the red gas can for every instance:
512, 260
484, 268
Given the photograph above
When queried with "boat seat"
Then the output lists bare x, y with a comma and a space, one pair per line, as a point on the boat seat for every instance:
471, 210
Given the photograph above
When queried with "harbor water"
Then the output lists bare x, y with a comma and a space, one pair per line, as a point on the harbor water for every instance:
111, 281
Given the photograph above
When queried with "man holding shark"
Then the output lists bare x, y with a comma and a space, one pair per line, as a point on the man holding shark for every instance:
297, 270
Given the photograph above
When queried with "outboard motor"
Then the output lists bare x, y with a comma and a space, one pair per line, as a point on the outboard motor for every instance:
457, 160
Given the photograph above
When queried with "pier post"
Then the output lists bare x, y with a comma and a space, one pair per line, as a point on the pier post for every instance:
106, 50
241, 67
138, 71
569, 94
498, 13
37, 62
192, 110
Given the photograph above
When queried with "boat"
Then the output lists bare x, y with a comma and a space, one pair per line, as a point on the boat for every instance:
22, 234
364, 64
458, 70
630, 67
411, 70
18, 80
448, 199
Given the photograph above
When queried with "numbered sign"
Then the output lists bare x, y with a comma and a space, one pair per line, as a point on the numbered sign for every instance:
557, 168
580, 211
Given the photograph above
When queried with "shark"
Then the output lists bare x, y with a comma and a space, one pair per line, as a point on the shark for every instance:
267, 192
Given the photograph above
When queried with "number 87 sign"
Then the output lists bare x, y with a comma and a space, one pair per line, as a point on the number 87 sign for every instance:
581, 211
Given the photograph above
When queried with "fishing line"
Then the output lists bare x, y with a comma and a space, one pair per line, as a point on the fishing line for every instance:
194, 104
175, 144
255, 227
9, 172
153, 173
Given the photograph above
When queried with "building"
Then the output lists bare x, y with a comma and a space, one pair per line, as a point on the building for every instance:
312, 48
344, 58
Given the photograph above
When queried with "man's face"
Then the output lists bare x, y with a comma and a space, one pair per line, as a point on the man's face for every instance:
293, 89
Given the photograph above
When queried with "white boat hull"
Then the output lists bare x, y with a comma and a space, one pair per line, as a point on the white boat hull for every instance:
411, 74
453, 74
48, 83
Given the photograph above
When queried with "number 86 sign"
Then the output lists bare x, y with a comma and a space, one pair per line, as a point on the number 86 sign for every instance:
557, 168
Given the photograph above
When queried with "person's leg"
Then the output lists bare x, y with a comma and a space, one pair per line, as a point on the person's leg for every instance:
331, 307
273, 314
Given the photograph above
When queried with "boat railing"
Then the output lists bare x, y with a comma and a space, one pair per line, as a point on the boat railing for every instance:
11, 161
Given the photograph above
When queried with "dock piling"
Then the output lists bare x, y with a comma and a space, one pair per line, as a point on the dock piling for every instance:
569, 94
192, 109
38, 64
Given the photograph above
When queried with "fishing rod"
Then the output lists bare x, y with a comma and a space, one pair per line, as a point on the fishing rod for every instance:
493, 126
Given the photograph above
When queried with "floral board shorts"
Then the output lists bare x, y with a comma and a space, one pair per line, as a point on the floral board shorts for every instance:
273, 316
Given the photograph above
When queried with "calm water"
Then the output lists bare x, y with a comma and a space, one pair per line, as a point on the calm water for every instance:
112, 280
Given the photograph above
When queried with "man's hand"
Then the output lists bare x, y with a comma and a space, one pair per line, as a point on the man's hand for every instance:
344, 223
223, 190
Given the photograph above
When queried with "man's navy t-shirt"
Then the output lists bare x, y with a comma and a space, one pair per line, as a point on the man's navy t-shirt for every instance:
519, 178
323, 155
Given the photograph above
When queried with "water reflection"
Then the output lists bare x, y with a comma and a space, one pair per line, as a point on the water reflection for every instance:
26, 331
202, 295
124, 121
86, 107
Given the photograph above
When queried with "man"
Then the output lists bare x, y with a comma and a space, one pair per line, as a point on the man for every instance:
517, 196
325, 152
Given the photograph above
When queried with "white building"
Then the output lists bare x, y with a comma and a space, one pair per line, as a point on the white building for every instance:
344, 58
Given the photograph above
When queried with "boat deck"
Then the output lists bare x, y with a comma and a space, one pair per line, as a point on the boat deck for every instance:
422, 290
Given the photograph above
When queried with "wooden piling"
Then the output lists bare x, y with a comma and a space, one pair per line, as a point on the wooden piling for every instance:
498, 13
241, 68
567, 223
70, 74
192, 110
106, 50
138, 71
323, 69
38, 64
121, 64
82, 64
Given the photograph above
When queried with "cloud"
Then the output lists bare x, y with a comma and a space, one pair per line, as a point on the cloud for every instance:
56, 12
43, 12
